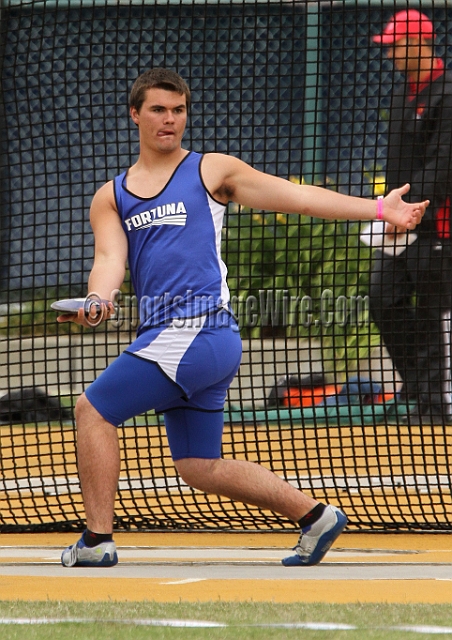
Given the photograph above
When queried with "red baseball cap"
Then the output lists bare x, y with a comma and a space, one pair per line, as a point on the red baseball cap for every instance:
406, 23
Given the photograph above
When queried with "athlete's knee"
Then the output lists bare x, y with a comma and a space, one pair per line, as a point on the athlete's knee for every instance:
85, 413
81, 407
197, 472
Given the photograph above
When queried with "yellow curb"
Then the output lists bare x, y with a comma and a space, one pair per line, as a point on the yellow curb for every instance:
389, 541
165, 590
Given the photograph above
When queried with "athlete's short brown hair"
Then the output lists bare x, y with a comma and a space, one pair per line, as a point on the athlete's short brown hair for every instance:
157, 78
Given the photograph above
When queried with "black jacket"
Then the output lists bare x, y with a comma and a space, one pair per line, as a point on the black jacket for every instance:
420, 146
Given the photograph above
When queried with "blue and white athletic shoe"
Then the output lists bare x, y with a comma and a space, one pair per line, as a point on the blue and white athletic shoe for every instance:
79, 555
316, 539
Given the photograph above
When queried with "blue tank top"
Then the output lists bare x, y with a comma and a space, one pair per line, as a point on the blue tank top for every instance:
174, 252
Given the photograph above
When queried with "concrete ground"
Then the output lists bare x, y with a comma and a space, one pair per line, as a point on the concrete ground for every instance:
168, 567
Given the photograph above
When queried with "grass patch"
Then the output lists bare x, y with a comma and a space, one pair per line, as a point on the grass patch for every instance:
111, 621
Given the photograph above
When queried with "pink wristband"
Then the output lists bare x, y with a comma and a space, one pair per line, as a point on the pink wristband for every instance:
380, 208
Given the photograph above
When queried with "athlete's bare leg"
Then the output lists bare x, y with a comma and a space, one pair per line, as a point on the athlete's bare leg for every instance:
98, 465
246, 482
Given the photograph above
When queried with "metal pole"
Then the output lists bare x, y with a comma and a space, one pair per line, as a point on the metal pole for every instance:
312, 118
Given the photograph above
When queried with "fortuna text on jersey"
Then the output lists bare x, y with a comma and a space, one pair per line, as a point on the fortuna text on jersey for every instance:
172, 213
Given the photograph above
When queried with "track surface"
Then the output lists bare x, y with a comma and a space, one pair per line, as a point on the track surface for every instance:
168, 567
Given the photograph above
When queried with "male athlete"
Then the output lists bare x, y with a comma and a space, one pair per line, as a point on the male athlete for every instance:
164, 216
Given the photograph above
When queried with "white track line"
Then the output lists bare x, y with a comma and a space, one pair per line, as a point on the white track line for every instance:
198, 624
60, 485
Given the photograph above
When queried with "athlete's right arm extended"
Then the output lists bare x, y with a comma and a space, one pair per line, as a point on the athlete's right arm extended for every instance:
228, 178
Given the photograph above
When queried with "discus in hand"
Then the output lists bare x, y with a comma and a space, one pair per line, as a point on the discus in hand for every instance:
92, 306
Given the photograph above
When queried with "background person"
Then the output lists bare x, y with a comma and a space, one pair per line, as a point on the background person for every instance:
410, 293
164, 217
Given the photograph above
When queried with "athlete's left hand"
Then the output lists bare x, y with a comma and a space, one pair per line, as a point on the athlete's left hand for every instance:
400, 215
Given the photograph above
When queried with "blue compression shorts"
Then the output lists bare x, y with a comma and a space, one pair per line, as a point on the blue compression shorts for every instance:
190, 394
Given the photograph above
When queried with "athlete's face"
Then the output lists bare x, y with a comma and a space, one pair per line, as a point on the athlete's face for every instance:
161, 120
